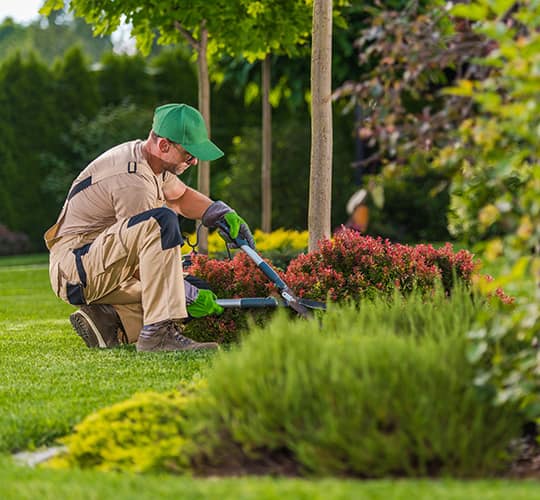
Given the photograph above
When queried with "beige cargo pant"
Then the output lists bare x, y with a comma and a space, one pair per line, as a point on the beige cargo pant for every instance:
134, 265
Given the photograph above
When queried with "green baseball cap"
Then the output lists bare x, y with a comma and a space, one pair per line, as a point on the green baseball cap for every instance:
184, 125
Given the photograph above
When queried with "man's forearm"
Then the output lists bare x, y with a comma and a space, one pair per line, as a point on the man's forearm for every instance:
191, 204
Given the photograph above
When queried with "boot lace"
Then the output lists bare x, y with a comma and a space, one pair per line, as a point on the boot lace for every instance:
174, 331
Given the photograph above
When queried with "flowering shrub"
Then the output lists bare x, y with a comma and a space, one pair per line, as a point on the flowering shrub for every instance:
238, 277
281, 240
352, 266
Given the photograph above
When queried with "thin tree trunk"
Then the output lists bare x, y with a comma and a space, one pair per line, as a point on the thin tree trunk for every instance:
320, 180
203, 177
266, 172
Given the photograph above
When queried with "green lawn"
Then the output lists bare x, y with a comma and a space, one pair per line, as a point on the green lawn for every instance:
18, 483
49, 381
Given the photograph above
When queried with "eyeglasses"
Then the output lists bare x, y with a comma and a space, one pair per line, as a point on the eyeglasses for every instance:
189, 157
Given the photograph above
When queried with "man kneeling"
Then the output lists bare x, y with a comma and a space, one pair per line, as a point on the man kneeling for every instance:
115, 248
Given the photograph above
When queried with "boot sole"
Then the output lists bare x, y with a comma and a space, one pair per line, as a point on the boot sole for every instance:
87, 330
212, 346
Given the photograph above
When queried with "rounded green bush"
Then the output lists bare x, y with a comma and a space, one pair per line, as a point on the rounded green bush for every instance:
143, 434
358, 397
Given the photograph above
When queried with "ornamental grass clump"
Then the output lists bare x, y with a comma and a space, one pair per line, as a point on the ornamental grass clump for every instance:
375, 392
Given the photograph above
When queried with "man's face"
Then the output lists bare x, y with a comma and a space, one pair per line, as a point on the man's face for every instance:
177, 159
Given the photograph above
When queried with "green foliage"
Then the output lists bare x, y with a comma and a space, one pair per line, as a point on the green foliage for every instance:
243, 184
88, 138
254, 29
76, 84
13, 38
365, 395
124, 78
50, 37
50, 379
496, 192
415, 208
9, 169
406, 54
504, 347
175, 77
143, 434
22, 483
250, 28
290, 160
30, 115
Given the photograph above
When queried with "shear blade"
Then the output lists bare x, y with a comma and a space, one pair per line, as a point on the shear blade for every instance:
312, 304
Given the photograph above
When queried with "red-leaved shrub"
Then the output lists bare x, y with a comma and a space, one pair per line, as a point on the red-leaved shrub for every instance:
350, 266
12, 243
235, 278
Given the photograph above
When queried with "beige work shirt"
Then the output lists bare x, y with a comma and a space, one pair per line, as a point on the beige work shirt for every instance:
117, 184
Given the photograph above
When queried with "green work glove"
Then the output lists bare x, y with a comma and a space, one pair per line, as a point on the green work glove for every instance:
230, 225
204, 305
236, 227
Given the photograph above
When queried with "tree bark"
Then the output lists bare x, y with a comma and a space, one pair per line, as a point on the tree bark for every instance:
266, 170
203, 176
320, 180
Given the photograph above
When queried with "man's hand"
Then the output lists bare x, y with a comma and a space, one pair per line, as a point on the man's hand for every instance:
228, 222
204, 305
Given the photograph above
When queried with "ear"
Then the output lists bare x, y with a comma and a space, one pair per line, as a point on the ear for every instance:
163, 145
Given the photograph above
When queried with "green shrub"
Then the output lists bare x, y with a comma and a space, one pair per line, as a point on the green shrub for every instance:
495, 194
143, 434
381, 391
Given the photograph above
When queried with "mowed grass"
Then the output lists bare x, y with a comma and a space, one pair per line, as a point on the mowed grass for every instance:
49, 381
19, 483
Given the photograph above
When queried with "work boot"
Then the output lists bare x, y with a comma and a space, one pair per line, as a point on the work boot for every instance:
98, 325
167, 336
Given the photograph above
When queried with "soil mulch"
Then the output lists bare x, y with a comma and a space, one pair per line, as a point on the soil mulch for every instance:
527, 463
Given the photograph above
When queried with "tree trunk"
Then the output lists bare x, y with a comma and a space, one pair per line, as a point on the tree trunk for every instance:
266, 171
320, 180
203, 176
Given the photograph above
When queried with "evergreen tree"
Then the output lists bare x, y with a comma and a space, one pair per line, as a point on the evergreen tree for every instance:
51, 37
77, 85
7, 174
29, 111
175, 77
124, 78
